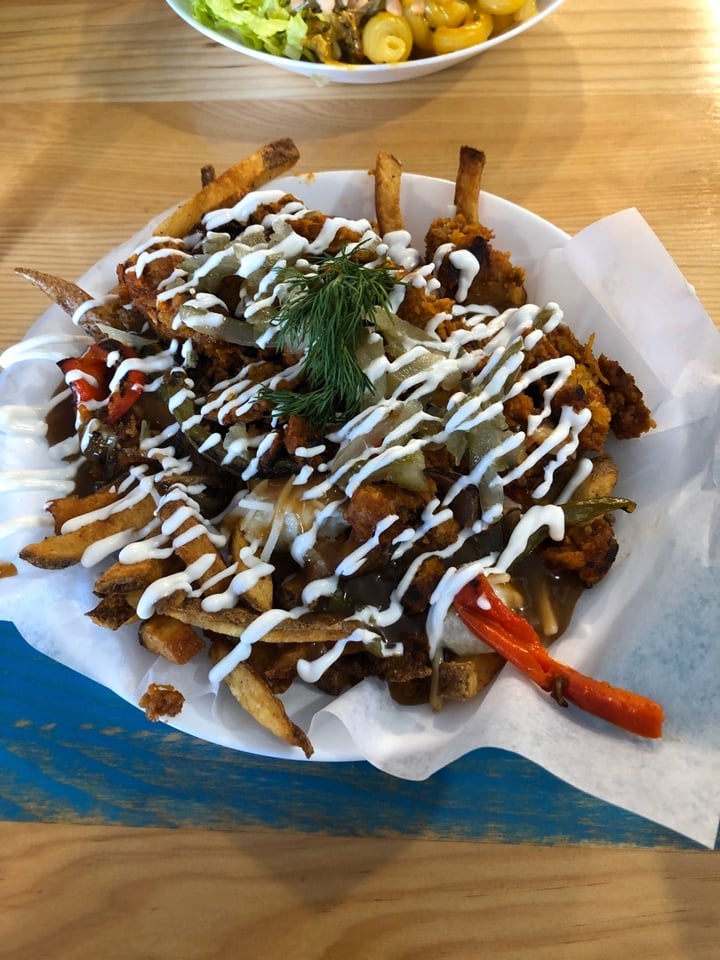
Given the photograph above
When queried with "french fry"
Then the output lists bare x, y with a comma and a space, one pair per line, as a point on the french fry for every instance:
460, 679
65, 549
260, 594
71, 297
207, 174
466, 677
468, 181
171, 639
388, 173
312, 628
67, 508
124, 577
264, 165
254, 695
115, 611
188, 545
231, 622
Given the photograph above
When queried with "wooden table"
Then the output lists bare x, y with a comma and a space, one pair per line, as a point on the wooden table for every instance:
120, 839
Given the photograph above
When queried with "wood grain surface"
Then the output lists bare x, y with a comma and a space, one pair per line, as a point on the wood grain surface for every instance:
80, 893
108, 111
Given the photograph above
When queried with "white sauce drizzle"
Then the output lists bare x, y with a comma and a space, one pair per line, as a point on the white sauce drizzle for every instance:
392, 428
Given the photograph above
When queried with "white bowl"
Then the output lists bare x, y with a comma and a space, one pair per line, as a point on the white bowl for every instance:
369, 73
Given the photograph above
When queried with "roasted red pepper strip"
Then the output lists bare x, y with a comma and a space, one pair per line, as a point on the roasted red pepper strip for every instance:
92, 377
492, 606
514, 638
122, 399
91, 374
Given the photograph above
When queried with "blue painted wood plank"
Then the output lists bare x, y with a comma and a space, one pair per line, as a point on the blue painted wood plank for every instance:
72, 751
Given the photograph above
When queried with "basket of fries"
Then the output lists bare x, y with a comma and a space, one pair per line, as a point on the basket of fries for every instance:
315, 483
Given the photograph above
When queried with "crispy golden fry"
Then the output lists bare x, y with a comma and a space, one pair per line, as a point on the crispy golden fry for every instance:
171, 639
466, 677
230, 622
115, 611
254, 695
312, 628
468, 182
66, 549
207, 174
388, 173
67, 508
264, 165
7, 569
260, 594
123, 577
188, 546
71, 297
460, 679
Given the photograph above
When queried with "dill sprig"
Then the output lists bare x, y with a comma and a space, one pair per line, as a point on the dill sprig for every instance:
326, 312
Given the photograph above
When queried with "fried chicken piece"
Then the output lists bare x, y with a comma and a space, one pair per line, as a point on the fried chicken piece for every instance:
587, 550
581, 391
140, 287
372, 502
416, 598
299, 437
421, 308
518, 409
497, 283
140, 291
630, 415
310, 225
564, 341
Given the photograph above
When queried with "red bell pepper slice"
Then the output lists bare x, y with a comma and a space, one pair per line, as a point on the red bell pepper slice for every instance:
91, 384
90, 378
514, 638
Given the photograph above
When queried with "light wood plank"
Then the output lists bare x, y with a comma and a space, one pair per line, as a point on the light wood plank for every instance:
79, 893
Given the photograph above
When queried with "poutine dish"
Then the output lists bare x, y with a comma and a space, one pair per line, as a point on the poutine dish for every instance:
308, 452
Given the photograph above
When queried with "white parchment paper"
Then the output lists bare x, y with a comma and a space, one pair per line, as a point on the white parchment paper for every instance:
653, 624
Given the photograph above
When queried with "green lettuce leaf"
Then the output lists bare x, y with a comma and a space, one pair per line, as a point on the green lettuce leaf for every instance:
267, 25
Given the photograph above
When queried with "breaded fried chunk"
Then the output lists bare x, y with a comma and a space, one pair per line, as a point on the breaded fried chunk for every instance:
587, 550
161, 700
498, 282
630, 415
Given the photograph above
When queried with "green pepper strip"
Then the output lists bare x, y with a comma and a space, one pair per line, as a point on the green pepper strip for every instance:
579, 511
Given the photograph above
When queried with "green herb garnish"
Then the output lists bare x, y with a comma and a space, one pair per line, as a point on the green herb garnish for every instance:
326, 313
